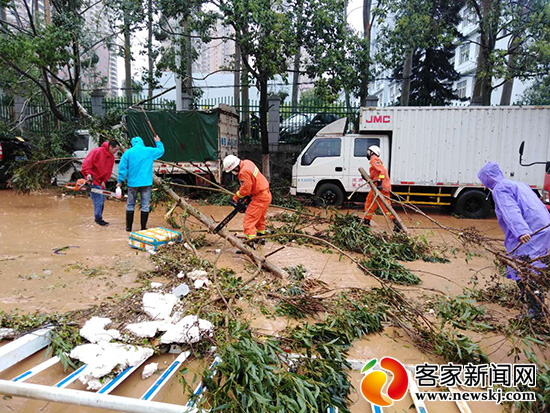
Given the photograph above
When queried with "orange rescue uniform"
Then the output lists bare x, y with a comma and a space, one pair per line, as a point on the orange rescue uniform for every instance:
255, 184
378, 172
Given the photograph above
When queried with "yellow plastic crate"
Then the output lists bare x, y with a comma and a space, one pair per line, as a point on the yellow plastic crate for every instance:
153, 238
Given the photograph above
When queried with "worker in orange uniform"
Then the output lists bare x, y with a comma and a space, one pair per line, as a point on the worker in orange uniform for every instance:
253, 184
379, 175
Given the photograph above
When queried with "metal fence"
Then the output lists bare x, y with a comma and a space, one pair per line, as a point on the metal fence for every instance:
298, 123
40, 120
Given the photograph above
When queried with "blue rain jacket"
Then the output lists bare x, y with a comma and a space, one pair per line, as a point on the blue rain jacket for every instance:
519, 212
136, 163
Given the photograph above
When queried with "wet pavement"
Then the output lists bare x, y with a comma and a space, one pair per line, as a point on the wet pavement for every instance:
99, 264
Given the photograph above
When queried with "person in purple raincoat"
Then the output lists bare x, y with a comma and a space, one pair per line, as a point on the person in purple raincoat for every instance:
520, 213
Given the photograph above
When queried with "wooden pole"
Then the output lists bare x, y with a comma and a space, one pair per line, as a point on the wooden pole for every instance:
210, 224
383, 199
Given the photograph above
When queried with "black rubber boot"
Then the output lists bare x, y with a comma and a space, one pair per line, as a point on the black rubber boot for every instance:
129, 220
144, 218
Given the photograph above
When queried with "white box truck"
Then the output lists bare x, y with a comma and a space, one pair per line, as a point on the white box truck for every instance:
432, 154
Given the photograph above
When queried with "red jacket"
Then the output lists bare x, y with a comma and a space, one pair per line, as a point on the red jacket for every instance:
378, 172
252, 181
99, 163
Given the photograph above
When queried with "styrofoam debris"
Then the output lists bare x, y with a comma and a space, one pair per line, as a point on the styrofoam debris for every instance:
196, 274
148, 370
158, 306
6, 333
147, 328
181, 274
202, 282
181, 290
102, 358
189, 330
94, 330
156, 285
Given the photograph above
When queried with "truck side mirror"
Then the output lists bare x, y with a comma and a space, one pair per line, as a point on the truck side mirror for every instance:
521, 147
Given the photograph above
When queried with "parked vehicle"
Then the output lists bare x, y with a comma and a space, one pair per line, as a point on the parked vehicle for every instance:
301, 127
195, 140
432, 154
12, 150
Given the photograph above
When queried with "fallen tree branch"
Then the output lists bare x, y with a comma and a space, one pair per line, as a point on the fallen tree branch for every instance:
211, 225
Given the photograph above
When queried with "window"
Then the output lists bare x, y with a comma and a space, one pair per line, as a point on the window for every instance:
322, 148
469, 16
461, 88
362, 144
464, 55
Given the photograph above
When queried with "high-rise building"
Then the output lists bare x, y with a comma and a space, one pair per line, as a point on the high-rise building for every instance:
218, 54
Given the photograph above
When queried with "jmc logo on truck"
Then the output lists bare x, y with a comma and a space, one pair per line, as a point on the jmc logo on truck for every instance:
378, 119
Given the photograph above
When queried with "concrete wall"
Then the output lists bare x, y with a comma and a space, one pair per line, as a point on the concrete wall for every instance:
281, 160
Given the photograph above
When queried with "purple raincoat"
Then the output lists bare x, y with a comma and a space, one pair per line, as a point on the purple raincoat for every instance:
519, 212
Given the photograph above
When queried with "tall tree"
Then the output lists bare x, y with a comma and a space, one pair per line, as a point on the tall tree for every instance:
418, 46
46, 57
262, 31
525, 24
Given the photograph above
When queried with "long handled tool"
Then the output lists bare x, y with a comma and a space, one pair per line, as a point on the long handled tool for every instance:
85, 185
236, 210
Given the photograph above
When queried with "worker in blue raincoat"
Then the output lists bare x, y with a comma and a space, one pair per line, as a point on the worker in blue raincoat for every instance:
136, 165
520, 213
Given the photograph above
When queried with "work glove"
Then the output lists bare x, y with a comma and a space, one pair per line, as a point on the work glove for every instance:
240, 206
379, 185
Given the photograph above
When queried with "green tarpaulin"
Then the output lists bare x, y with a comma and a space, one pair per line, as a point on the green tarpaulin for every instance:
187, 136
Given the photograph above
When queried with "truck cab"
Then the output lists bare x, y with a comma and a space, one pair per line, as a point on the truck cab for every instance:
328, 166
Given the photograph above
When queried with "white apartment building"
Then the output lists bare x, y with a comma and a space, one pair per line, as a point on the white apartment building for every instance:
388, 91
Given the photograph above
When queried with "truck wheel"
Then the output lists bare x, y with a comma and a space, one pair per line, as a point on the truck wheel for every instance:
473, 204
329, 194
181, 191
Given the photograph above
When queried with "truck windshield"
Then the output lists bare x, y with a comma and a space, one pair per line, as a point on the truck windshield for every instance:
322, 148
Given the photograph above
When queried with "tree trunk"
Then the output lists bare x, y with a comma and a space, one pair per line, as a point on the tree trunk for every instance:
127, 62
406, 87
506, 97
150, 83
364, 72
296, 80
237, 78
263, 127
489, 28
245, 100
188, 83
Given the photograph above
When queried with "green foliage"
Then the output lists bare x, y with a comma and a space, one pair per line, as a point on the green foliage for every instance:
258, 374
538, 93
428, 30
461, 312
64, 337
389, 269
457, 348
48, 158
542, 390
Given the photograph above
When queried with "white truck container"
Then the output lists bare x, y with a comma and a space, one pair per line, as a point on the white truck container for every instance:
432, 154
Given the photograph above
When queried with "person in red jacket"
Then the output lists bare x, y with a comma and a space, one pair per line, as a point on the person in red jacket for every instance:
253, 184
379, 175
97, 168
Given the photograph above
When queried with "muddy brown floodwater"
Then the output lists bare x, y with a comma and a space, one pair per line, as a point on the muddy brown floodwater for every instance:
99, 264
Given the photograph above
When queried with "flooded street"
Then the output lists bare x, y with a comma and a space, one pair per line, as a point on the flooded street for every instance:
94, 263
